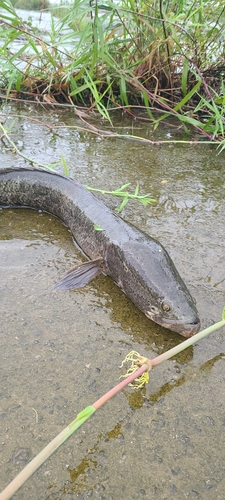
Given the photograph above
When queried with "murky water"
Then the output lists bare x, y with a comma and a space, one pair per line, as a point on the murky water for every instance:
61, 351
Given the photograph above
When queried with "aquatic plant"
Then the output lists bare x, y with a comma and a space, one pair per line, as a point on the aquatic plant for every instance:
119, 192
138, 375
168, 56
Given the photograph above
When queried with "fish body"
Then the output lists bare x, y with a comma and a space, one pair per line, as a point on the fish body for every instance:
137, 263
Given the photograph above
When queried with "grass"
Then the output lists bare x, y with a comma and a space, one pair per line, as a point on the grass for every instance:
132, 53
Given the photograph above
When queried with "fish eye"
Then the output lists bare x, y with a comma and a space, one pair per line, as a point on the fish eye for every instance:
166, 307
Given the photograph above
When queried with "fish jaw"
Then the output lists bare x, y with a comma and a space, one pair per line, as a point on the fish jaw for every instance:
185, 327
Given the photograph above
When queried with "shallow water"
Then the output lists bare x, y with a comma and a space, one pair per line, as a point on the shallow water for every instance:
61, 351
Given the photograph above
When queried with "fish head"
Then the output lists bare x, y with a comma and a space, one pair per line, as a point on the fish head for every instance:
175, 317
153, 283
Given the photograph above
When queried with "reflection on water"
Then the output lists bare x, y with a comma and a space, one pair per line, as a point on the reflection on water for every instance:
61, 351
48, 28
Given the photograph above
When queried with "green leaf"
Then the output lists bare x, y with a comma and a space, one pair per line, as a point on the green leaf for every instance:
82, 88
146, 201
184, 77
146, 103
52, 165
123, 204
220, 100
188, 96
124, 186
10, 126
81, 418
98, 228
65, 168
85, 413
123, 90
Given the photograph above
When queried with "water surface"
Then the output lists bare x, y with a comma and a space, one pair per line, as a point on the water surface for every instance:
61, 351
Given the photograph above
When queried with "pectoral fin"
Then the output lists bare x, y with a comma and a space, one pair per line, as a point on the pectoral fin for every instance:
80, 275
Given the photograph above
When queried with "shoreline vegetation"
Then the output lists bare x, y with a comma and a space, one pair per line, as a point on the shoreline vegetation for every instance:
166, 58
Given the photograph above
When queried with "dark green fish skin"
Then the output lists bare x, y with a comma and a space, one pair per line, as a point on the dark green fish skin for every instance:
139, 264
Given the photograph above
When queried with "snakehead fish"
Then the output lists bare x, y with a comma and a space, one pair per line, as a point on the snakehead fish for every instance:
137, 263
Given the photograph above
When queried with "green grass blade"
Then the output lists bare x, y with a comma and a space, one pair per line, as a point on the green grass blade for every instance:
65, 168
123, 204
184, 77
146, 103
123, 90
79, 420
124, 186
187, 97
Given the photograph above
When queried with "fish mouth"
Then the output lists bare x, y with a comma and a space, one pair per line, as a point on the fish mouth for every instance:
185, 327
